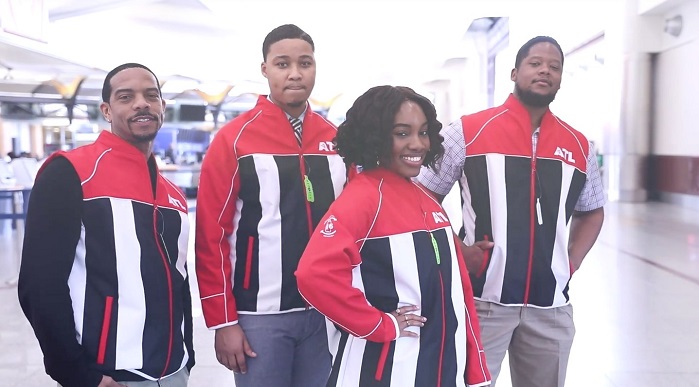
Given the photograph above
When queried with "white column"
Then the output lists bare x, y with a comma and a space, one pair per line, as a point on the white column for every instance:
629, 39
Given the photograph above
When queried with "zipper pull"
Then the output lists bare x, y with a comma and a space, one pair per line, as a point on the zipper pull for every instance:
538, 212
436, 249
309, 189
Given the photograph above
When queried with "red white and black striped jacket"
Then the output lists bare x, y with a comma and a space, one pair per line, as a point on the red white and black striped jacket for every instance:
386, 243
254, 214
126, 287
522, 202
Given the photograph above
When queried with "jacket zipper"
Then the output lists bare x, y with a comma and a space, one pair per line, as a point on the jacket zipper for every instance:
444, 314
532, 215
104, 336
169, 286
444, 332
382, 361
248, 263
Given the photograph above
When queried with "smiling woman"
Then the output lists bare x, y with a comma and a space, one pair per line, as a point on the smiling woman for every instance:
389, 235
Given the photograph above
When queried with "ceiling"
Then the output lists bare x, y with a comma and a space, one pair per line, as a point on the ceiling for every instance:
209, 44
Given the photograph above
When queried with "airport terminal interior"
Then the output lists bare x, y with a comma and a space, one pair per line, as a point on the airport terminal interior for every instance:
629, 80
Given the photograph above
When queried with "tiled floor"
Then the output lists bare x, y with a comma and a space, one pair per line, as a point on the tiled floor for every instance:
636, 302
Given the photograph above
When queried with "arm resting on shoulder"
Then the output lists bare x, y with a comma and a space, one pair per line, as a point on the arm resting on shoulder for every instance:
584, 230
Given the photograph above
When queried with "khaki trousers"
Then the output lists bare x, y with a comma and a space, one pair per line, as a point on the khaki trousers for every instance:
537, 340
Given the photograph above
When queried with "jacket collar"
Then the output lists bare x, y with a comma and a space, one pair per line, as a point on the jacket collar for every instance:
270, 108
111, 140
386, 174
521, 113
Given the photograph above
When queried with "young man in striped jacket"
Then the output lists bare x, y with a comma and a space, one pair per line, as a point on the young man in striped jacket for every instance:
526, 179
268, 178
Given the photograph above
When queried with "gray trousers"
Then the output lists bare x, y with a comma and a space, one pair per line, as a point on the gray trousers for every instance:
178, 379
538, 341
292, 350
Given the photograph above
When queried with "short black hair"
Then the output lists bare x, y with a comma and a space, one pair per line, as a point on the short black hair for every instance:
364, 138
524, 50
107, 86
286, 31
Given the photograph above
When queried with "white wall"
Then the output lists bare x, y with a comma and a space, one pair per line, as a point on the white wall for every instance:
676, 113
655, 6
677, 116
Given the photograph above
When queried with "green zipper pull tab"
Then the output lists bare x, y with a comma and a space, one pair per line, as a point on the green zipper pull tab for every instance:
436, 249
309, 189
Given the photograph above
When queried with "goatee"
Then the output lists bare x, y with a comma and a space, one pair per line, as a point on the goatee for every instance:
532, 99
144, 138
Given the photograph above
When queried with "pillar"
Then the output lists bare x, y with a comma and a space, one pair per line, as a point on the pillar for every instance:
3, 148
626, 145
36, 140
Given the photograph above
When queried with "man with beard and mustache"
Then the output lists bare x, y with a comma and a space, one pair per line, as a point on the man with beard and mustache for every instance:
267, 179
525, 177
103, 279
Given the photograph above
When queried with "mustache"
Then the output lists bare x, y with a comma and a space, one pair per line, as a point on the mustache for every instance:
548, 82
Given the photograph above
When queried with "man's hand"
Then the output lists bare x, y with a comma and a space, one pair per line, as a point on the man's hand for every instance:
475, 256
231, 347
109, 382
584, 230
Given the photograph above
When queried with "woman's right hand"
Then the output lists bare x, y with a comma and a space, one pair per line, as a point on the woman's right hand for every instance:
407, 319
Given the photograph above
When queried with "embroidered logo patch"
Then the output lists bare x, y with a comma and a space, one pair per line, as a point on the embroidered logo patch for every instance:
329, 227
565, 154
326, 146
439, 217
175, 202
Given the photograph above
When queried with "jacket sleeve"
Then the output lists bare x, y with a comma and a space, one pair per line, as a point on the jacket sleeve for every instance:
52, 231
216, 198
477, 373
324, 273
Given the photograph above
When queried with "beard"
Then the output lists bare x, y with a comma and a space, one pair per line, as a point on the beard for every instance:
532, 99
144, 138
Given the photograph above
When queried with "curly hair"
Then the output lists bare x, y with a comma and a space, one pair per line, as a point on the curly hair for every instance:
364, 138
